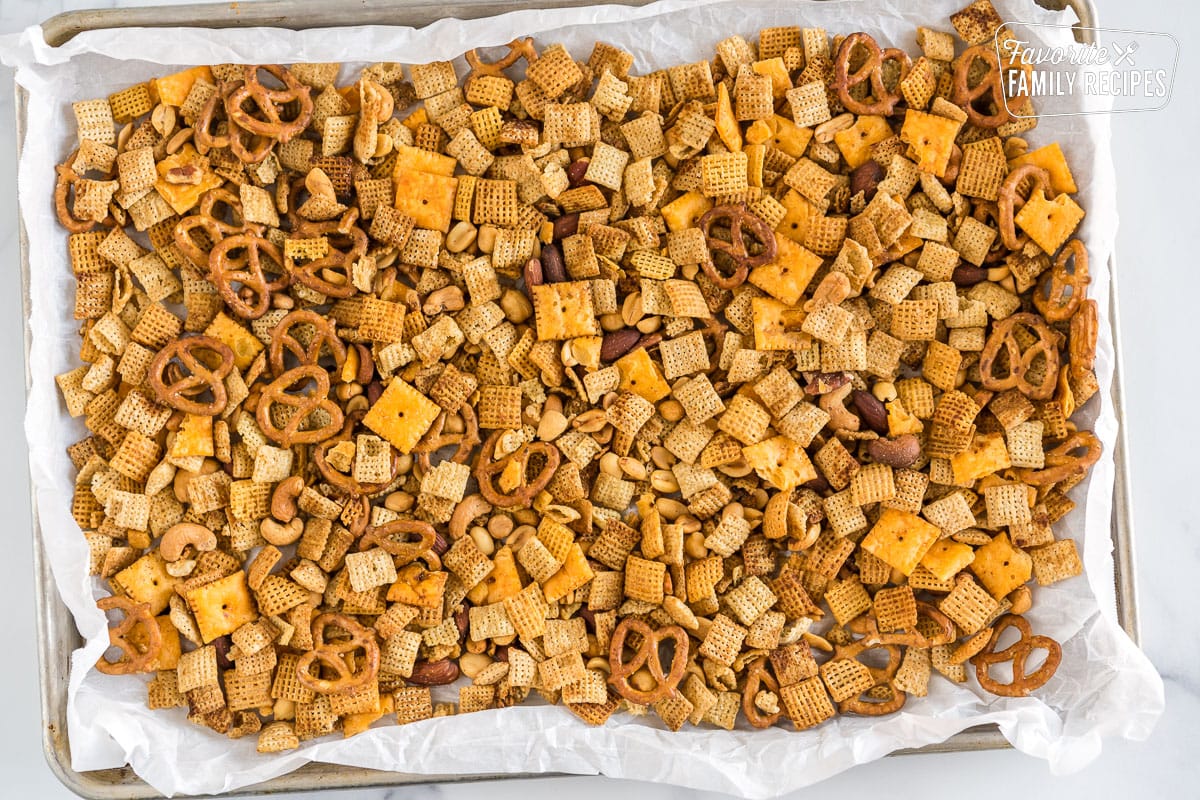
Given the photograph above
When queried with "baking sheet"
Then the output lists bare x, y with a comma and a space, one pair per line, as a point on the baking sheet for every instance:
1105, 686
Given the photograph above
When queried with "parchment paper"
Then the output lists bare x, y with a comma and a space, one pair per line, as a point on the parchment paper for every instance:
1105, 686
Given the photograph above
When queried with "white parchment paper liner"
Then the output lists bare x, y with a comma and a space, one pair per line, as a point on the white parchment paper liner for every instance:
1105, 686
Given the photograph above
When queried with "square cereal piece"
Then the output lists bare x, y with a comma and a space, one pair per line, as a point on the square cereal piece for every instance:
847, 600
561, 671
370, 568
1024, 442
381, 320
724, 640
915, 320
644, 580
413, 704
564, 311
433, 79
983, 169
809, 104
1056, 562
490, 621
806, 703
467, 562
1007, 504
836, 463
846, 678
684, 355
941, 364
401, 415
968, 605
94, 120
976, 23
873, 483
937, 261
844, 515
499, 407
951, 513
745, 420
974, 239
895, 609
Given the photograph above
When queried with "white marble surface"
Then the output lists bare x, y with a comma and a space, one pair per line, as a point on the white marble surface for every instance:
1158, 284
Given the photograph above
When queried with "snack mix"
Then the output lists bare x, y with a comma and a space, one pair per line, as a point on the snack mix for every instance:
739, 388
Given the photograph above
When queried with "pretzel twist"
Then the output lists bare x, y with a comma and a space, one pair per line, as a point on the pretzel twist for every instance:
647, 656
303, 406
1022, 682
1019, 363
203, 378
735, 249
991, 86
332, 656
883, 102
487, 469
133, 659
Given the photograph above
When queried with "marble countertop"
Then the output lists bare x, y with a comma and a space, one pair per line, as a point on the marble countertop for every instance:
1156, 205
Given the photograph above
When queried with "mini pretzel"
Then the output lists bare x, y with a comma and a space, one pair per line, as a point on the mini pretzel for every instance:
226, 269
991, 84
332, 656
868, 628
1022, 683
133, 658
1081, 343
65, 178
883, 102
393, 537
324, 337
1051, 298
435, 440
735, 249
1004, 337
206, 137
208, 220
517, 49
302, 404
269, 104
1061, 464
758, 676
348, 483
1011, 200
202, 378
646, 655
487, 469
882, 677
336, 261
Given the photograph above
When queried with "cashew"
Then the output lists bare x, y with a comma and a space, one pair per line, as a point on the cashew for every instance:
279, 534
833, 289
471, 507
283, 500
833, 403
448, 298
899, 452
180, 535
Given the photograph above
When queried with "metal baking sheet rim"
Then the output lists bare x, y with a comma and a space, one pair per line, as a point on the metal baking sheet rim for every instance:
57, 636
